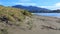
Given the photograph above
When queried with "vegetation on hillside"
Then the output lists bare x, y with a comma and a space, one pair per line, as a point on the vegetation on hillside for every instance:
13, 14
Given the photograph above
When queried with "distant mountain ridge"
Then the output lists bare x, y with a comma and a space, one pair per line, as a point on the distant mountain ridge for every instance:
32, 9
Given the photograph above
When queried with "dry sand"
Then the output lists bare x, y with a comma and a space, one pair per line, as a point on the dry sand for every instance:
42, 25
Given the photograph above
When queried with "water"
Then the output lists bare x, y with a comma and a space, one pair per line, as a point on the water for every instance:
49, 14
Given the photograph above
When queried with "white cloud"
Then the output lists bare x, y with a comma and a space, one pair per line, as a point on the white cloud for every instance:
53, 7
24, 0
57, 4
27, 4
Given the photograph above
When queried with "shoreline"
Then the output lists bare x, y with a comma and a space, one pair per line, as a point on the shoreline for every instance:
38, 14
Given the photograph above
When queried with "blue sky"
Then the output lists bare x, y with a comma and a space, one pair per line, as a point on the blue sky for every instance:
49, 4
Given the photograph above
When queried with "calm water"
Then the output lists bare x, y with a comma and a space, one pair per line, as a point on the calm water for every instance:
49, 14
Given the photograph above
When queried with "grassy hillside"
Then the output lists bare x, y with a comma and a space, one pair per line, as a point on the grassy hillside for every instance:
13, 17
13, 14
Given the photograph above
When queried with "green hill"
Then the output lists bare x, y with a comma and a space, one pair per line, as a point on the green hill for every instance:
13, 14
13, 17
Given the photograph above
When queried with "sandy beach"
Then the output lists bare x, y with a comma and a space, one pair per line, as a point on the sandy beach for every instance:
42, 25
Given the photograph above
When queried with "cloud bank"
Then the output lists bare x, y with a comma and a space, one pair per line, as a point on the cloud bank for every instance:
53, 7
27, 4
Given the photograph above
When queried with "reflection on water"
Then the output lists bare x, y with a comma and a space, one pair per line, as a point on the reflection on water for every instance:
49, 14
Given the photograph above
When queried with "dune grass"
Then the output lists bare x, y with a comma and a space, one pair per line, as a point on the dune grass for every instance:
13, 14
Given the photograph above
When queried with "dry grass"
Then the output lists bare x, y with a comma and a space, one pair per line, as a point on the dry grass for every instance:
13, 14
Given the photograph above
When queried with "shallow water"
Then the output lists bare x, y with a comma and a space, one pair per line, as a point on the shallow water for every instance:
49, 14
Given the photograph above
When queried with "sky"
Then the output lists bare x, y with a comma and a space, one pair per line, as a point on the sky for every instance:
49, 4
